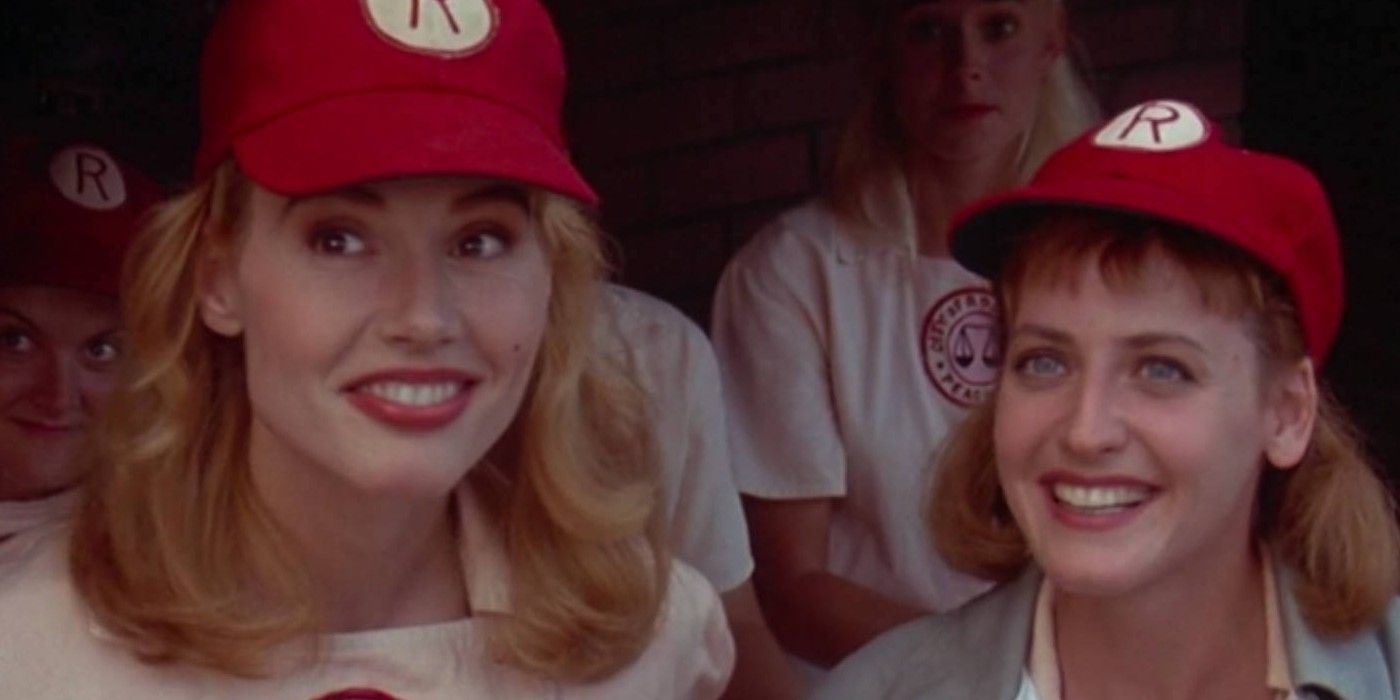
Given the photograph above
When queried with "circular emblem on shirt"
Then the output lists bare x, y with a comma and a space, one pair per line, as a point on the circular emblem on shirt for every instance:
961, 342
88, 177
446, 28
1159, 125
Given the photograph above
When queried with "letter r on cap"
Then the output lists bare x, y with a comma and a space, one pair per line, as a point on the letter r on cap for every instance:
87, 166
1166, 115
1159, 125
87, 176
446, 11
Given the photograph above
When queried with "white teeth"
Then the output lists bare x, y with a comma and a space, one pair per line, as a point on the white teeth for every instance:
413, 394
1100, 497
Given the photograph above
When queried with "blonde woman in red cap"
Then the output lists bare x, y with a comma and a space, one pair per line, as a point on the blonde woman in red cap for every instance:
67, 213
1174, 505
367, 449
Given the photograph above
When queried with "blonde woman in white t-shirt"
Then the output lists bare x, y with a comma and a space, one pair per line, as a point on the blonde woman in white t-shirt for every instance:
367, 448
850, 343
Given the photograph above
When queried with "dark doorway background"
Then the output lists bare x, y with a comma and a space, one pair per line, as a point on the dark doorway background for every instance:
1321, 84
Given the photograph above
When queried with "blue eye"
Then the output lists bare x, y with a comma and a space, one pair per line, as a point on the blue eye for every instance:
1040, 365
336, 241
1163, 370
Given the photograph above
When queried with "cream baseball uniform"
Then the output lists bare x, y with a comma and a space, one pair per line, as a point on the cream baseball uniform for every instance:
846, 363
51, 648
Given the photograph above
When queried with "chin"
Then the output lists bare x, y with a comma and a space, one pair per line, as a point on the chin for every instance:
407, 478
1099, 576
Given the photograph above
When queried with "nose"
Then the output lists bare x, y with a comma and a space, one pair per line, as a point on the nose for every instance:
58, 391
967, 55
419, 313
1094, 427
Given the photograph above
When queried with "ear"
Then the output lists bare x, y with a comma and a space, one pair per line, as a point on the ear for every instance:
1290, 413
220, 305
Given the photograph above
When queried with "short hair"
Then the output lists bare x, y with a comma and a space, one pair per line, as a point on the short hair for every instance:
176, 555
1330, 519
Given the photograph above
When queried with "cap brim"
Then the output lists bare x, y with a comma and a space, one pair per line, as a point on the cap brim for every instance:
985, 232
363, 137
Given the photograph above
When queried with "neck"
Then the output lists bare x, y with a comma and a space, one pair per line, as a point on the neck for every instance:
937, 188
375, 560
1201, 634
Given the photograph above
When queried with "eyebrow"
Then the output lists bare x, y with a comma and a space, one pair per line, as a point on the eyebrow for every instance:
18, 316
1136, 342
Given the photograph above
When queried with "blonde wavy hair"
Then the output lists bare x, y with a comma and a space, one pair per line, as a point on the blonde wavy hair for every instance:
867, 171
175, 554
1330, 519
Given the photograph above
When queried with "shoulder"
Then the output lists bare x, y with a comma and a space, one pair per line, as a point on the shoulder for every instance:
807, 232
977, 650
691, 654
639, 317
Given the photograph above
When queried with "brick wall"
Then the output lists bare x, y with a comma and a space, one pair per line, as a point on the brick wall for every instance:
698, 120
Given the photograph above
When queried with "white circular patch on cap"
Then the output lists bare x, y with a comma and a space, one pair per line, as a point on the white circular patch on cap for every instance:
88, 177
1159, 125
438, 27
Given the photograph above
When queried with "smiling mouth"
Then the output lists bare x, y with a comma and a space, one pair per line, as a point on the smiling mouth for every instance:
413, 400
411, 394
1099, 500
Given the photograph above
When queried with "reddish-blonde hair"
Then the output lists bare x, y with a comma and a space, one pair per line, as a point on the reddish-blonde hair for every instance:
1330, 519
174, 552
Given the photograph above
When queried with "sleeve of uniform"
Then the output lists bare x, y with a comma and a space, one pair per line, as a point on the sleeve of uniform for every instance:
709, 523
770, 335
675, 366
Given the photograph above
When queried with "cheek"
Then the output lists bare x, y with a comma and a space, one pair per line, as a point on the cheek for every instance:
98, 386
15, 381
506, 312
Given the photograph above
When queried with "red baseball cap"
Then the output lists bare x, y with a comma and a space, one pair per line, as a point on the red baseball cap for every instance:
68, 214
1162, 159
311, 95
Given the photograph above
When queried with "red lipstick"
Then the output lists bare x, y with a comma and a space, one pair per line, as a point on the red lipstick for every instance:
412, 399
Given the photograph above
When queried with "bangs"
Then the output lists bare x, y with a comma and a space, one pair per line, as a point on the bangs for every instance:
1056, 248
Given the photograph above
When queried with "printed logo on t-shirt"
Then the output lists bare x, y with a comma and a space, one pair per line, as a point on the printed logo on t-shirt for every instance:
88, 177
962, 345
1159, 125
438, 27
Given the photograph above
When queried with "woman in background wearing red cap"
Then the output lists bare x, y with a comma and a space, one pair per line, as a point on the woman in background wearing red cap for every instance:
850, 343
1173, 503
367, 449
67, 214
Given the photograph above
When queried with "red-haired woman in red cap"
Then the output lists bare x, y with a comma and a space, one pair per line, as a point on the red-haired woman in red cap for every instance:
1174, 504
67, 213
367, 449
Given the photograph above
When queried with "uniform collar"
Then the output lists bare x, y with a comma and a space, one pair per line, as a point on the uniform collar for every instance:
485, 566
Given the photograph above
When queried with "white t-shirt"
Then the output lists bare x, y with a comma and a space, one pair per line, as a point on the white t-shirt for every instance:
845, 364
51, 648
17, 517
672, 361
